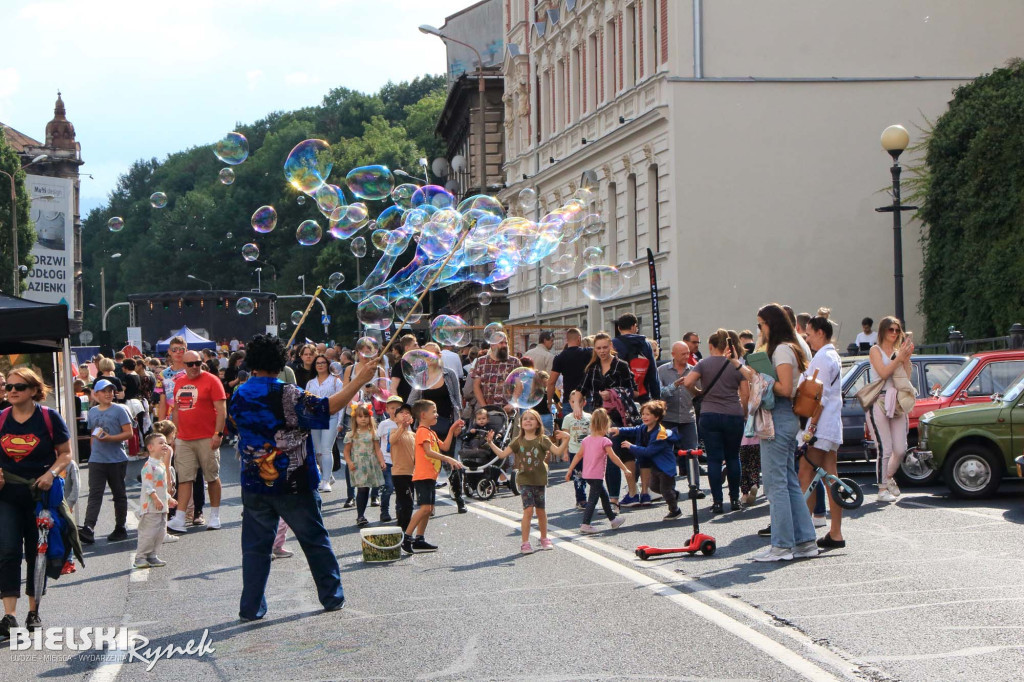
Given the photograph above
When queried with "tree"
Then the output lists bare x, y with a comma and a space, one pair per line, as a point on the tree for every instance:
973, 190
10, 163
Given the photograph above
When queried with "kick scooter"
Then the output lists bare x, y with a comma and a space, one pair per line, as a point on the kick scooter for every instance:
698, 542
845, 491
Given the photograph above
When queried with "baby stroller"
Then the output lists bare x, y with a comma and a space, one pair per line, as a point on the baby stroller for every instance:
484, 473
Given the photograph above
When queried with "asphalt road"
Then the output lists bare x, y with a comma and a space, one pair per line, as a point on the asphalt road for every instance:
927, 589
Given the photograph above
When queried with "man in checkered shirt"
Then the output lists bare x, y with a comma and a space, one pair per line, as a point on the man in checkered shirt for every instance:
490, 373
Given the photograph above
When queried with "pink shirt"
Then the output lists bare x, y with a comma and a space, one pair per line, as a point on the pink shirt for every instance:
594, 457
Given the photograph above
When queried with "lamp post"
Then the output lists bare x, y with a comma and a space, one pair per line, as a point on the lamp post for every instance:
14, 223
481, 86
895, 139
207, 283
259, 280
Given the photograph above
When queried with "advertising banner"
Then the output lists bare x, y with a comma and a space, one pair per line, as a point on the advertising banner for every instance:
52, 278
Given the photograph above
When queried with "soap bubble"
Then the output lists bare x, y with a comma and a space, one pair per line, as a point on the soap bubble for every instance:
592, 224
629, 269
584, 195
229, 235
336, 368
433, 195
250, 252
500, 285
494, 333
264, 219
308, 233
450, 330
523, 389
115, 224
368, 347
284, 326
402, 195
549, 293
370, 182
226, 175
592, 256
390, 218
245, 306
421, 368
300, 200
157, 199
308, 165
528, 199
600, 282
233, 149
374, 312
379, 239
328, 199
563, 264
296, 317
484, 298
358, 247
403, 308
347, 220
335, 280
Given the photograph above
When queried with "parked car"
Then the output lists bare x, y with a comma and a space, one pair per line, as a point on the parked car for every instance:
930, 372
974, 445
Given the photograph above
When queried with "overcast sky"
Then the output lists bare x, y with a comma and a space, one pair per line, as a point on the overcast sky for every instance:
145, 78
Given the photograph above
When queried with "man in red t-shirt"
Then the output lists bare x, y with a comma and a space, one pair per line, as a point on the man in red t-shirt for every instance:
200, 408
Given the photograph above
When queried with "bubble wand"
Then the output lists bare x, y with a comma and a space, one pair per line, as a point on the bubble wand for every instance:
419, 300
305, 313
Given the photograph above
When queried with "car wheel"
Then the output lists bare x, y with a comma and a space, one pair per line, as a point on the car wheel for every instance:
915, 472
973, 471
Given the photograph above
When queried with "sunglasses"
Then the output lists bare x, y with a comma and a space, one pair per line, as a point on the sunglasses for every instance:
197, 363
177, 349
18, 387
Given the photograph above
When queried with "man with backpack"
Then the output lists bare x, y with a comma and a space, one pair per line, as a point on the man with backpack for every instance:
636, 351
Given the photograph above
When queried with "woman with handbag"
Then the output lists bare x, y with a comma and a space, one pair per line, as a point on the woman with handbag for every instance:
824, 431
792, 530
891, 403
722, 414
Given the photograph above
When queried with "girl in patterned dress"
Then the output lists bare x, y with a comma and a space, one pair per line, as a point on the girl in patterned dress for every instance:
364, 459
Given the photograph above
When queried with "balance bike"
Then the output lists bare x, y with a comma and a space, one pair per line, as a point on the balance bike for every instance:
698, 542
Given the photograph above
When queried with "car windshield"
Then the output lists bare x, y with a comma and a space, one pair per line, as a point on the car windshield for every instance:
1015, 391
949, 390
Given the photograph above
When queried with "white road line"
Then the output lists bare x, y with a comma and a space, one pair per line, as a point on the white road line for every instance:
108, 670
967, 512
788, 657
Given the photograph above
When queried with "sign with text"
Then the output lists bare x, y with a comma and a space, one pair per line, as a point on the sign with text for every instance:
52, 278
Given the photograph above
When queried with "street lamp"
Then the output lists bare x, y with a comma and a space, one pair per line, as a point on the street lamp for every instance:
14, 223
895, 139
207, 283
259, 279
482, 172
302, 278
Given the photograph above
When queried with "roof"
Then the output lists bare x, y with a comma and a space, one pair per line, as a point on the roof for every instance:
30, 327
19, 141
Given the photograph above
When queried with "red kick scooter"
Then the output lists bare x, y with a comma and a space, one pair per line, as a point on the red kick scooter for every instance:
698, 542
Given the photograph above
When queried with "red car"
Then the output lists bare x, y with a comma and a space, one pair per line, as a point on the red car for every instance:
984, 375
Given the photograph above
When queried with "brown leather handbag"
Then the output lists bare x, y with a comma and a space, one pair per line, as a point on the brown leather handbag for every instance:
808, 396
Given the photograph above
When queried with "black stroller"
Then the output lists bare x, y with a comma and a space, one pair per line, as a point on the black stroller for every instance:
484, 473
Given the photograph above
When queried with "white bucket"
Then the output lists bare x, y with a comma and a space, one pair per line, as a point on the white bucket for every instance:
380, 544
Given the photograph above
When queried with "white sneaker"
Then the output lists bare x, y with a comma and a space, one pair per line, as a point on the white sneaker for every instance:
325, 488
820, 521
775, 554
587, 528
177, 524
893, 488
806, 550
170, 538
214, 522
886, 496
282, 553
618, 521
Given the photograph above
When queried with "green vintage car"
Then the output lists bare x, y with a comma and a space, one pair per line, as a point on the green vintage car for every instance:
974, 446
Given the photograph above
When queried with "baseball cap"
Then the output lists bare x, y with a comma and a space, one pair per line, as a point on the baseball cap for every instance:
102, 384
394, 399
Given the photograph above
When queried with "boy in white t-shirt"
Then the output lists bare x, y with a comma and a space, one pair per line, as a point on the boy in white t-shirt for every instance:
577, 424
384, 430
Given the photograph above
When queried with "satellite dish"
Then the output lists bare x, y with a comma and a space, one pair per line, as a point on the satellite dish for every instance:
459, 163
453, 186
440, 167
85, 337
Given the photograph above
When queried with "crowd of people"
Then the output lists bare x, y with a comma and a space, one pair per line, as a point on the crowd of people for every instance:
301, 418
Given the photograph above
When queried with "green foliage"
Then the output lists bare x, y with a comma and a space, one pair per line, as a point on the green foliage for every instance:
10, 163
973, 191
160, 247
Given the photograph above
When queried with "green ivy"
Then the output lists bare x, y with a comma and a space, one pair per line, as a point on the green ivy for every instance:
973, 208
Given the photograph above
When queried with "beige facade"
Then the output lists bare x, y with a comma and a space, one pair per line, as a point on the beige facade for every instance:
739, 141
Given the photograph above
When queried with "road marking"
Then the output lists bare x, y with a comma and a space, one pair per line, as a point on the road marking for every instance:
108, 670
968, 512
788, 657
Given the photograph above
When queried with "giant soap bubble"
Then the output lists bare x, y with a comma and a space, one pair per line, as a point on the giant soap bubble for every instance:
308, 165
523, 389
233, 149
600, 282
421, 368
375, 312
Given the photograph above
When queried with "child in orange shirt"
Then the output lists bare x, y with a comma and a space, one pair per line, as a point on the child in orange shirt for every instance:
424, 475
